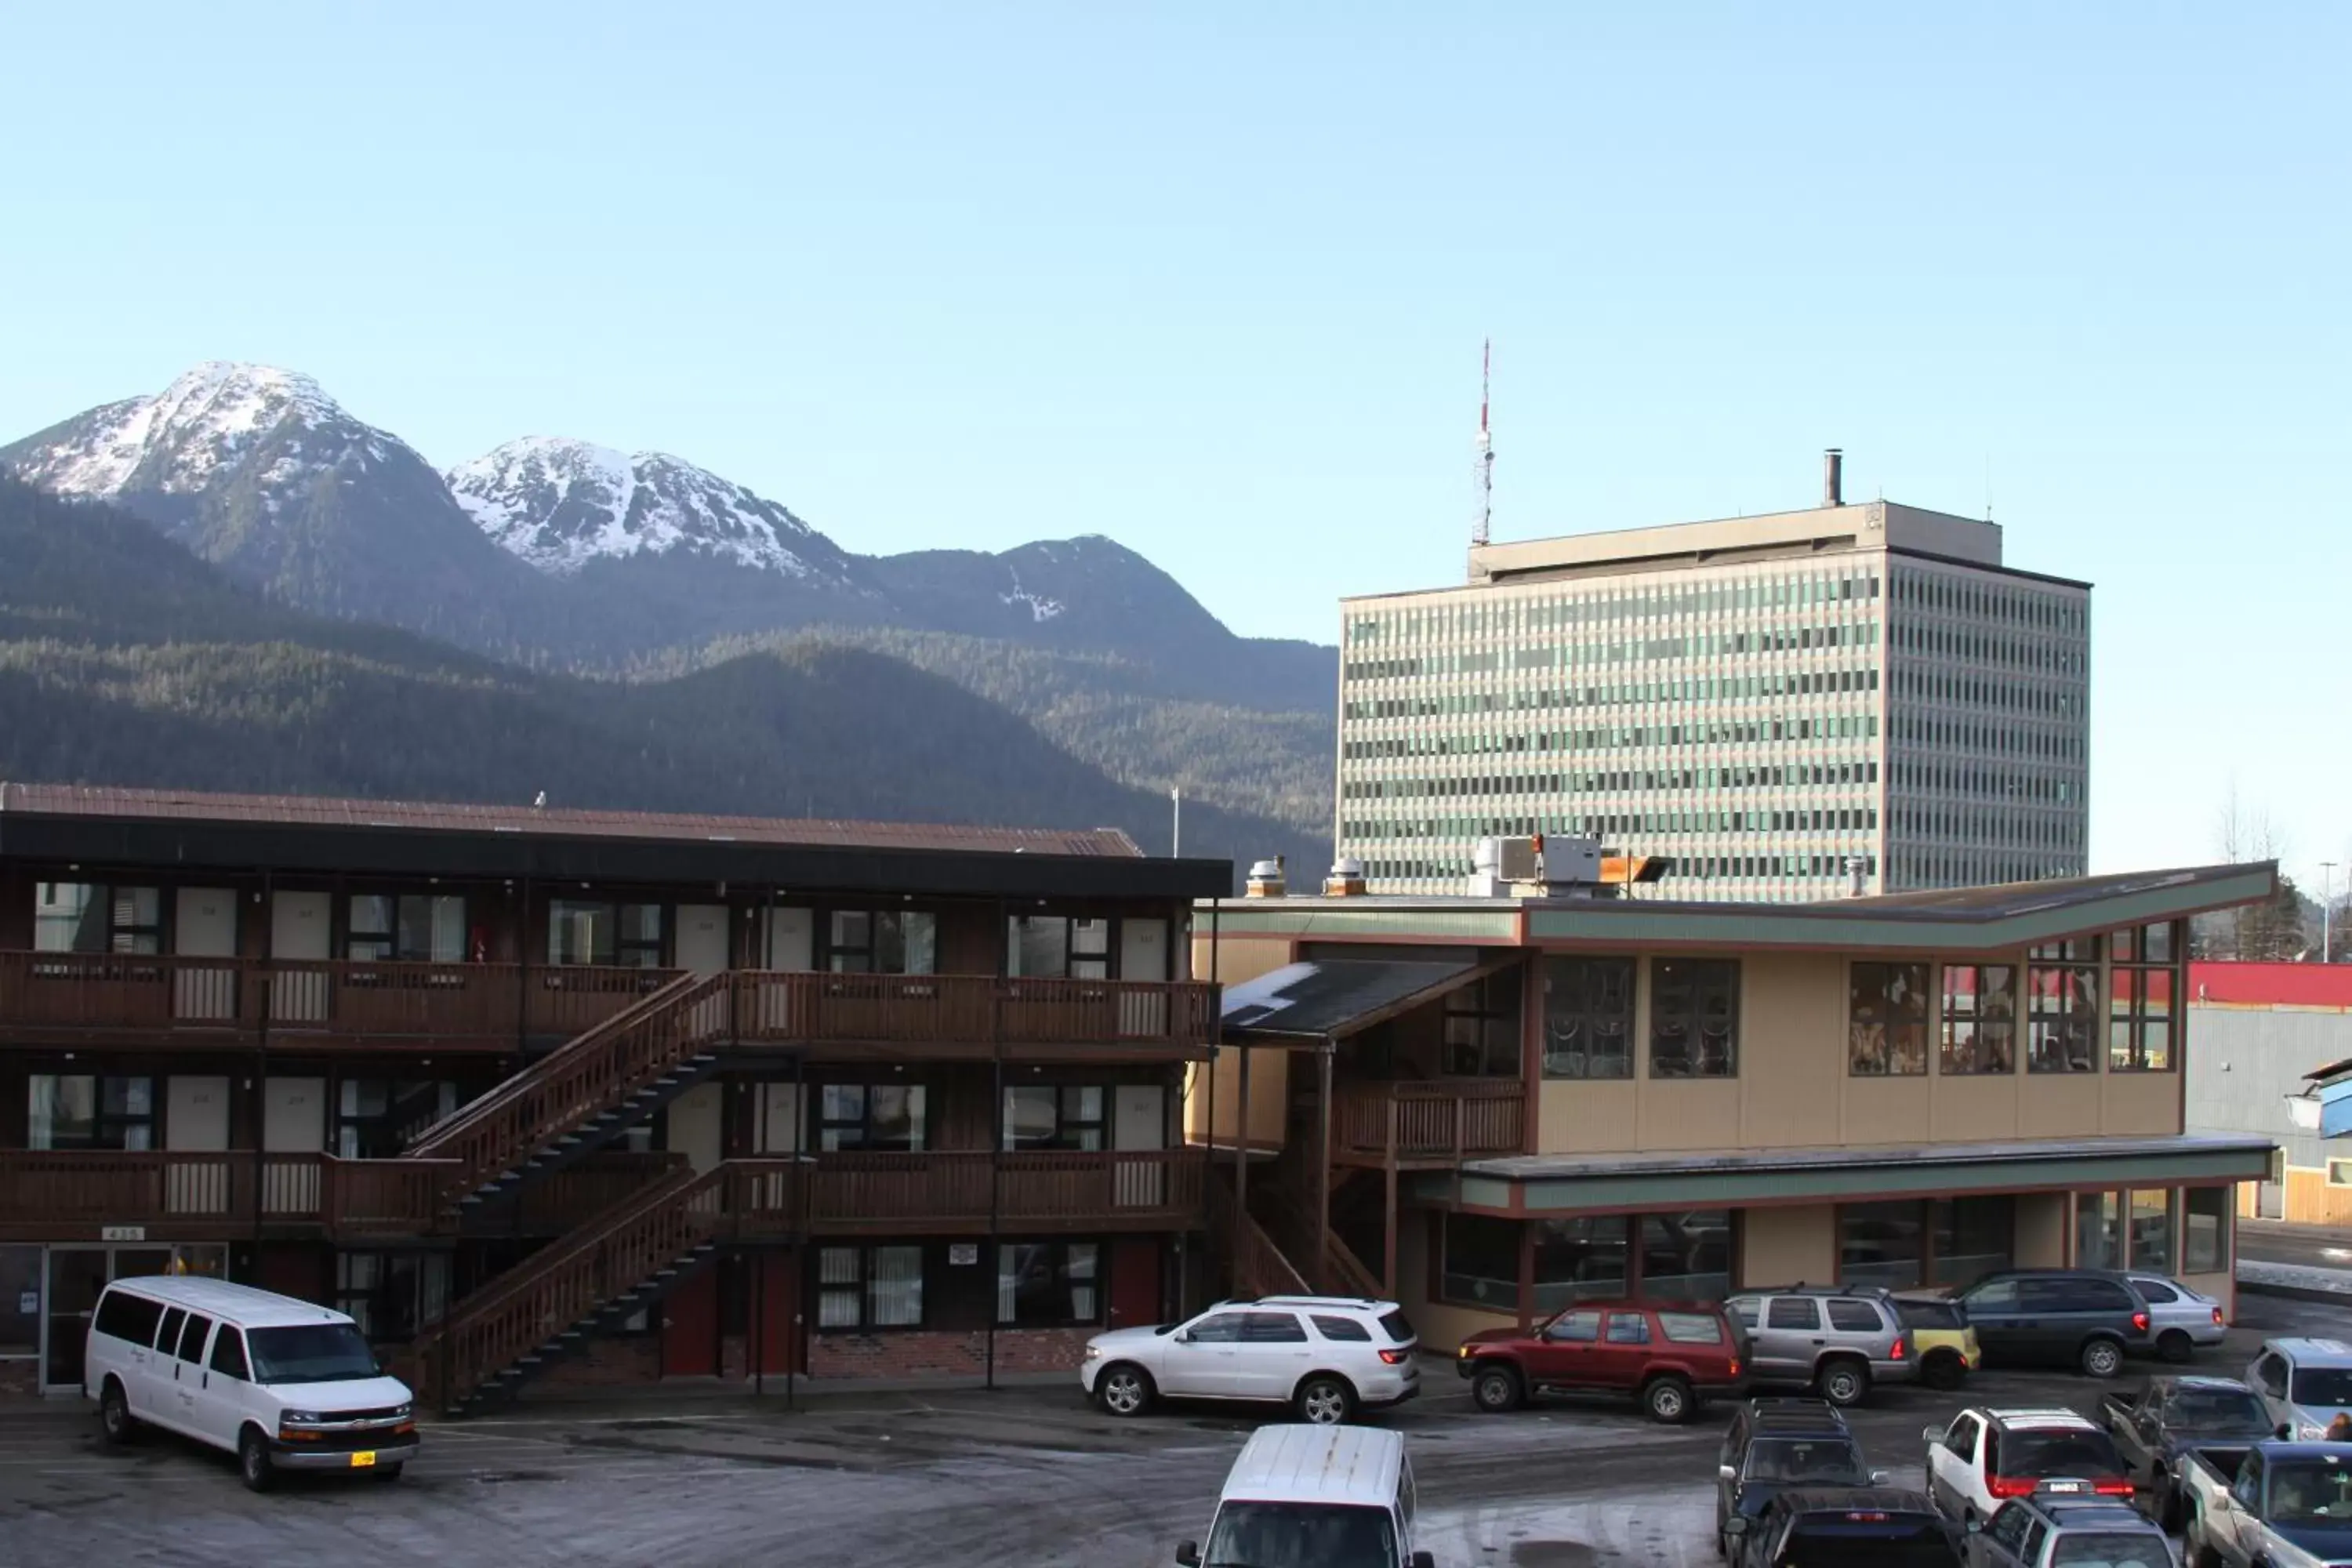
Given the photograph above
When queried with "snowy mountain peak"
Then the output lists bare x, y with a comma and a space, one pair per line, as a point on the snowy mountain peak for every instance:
559, 504
177, 439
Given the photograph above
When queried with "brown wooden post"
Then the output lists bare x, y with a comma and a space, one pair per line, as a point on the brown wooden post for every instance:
1323, 1055
1389, 1242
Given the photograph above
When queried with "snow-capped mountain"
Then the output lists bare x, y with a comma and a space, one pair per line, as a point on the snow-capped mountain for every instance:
257, 469
584, 556
184, 438
559, 504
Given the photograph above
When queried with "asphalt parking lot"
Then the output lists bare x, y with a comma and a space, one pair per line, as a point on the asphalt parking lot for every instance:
1031, 1477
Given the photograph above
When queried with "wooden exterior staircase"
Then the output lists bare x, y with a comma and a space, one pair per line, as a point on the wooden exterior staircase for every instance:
586, 1092
551, 1305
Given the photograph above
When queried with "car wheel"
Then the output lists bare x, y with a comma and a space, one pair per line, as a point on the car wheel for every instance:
1668, 1399
1124, 1390
253, 1466
1497, 1389
1842, 1382
114, 1418
2170, 1516
1324, 1400
2175, 1346
2101, 1358
1943, 1371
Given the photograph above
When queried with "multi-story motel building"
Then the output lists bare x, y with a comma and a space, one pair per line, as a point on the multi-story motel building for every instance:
595, 1095
1776, 702
1492, 1107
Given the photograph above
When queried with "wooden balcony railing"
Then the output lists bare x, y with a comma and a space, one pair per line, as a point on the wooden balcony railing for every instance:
304, 1004
1445, 1119
1031, 1187
977, 1009
71, 1193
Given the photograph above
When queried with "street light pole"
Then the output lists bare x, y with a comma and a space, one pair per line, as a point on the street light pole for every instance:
2327, 911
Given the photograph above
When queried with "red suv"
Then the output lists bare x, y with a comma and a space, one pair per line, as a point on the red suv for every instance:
1667, 1354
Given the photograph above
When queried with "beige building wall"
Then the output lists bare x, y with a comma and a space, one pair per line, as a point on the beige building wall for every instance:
1784, 1246
1219, 1094
2041, 1223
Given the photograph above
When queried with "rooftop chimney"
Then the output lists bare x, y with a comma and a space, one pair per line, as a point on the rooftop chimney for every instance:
1833, 477
1346, 881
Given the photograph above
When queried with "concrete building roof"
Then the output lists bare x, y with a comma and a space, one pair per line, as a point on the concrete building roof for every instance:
1988, 919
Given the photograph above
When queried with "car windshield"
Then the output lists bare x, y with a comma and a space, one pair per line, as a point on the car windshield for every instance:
2310, 1491
2323, 1385
1301, 1535
1886, 1544
2223, 1410
2061, 1453
310, 1353
2138, 1549
1829, 1461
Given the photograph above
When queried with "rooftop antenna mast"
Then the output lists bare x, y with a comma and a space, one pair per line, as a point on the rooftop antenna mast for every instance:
1484, 516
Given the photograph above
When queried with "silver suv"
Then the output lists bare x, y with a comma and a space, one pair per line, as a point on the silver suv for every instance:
1836, 1342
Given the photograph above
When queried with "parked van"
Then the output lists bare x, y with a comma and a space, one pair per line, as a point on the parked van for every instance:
281, 1384
1315, 1496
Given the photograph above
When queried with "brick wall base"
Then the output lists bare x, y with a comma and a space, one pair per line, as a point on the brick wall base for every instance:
919, 1353
633, 1358
20, 1379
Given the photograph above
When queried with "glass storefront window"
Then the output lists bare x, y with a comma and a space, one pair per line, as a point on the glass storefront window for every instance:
1970, 1238
1687, 1256
2151, 1229
1481, 1262
1979, 1019
2062, 1020
1588, 1017
1887, 1020
2205, 1235
1879, 1243
2098, 1231
1578, 1259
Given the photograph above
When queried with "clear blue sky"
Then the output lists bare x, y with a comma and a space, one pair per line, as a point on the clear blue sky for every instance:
1211, 279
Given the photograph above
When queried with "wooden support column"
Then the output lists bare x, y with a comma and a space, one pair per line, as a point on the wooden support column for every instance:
1322, 1266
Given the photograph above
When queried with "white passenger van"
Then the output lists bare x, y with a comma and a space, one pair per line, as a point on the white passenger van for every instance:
281, 1384
1315, 1496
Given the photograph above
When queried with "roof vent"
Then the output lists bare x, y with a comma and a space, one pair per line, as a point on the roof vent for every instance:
1833, 477
1266, 879
1346, 881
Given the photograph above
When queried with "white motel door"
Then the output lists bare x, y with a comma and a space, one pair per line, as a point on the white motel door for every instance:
204, 925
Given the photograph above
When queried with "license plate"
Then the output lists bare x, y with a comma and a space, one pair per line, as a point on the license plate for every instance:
2063, 1489
363, 1458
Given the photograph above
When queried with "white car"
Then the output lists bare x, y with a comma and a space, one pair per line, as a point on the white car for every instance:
1987, 1457
281, 1384
2179, 1319
1325, 1357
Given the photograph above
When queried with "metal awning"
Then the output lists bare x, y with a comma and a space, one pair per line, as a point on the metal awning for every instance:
1330, 999
1552, 1183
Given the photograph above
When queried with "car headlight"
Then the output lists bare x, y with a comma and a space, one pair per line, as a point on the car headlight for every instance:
1094, 1352
403, 1412
305, 1416
2311, 1434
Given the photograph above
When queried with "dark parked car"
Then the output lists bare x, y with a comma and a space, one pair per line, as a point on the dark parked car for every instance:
2157, 1426
2058, 1317
1774, 1445
1875, 1527
1666, 1354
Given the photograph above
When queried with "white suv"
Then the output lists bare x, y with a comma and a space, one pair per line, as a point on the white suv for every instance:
1326, 1356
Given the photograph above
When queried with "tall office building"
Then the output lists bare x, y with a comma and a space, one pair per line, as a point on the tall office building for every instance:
1778, 702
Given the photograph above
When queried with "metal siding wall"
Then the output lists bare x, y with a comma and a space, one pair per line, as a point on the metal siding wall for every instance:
2244, 1062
